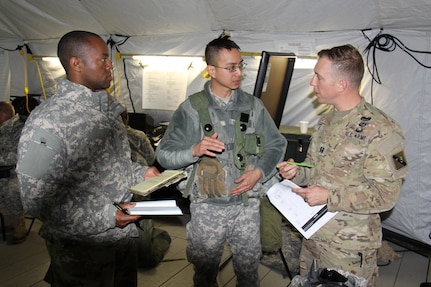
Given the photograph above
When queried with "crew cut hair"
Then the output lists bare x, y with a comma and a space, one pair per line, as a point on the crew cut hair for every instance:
347, 61
73, 44
213, 48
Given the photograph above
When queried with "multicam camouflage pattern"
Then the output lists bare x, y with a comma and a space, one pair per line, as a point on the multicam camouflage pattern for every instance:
141, 148
73, 162
359, 157
210, 226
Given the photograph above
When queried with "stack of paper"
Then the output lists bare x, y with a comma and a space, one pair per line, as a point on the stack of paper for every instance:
167, 178
155, 207
305, 218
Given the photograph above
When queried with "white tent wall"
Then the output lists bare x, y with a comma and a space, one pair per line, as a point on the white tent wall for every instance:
174, 27
4, 76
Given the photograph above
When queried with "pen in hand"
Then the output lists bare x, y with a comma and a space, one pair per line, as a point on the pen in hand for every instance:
300, 164
123, 210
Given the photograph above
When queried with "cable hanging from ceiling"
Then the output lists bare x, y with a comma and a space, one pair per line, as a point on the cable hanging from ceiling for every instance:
386, 43
115, 45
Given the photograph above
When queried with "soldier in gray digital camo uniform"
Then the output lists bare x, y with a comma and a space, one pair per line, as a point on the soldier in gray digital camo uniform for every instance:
10, 203
73, 163
358, 154
224, 197
140, 145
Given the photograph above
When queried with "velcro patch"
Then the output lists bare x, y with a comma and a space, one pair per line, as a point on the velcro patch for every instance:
392, 148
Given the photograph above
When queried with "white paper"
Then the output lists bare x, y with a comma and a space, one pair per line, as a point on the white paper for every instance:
295, 209
163, 90
155, 207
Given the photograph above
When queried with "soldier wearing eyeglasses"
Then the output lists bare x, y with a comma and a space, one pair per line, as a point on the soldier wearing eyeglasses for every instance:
230, 145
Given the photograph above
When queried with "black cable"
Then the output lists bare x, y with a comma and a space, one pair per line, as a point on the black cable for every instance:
128, 85
19, 47
113, 44
386, 43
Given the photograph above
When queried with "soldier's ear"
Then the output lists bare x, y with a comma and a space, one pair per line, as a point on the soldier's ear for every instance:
211, 70
342, 85
75, 64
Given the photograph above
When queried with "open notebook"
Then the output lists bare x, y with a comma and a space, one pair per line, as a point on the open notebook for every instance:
155, 207
167, 178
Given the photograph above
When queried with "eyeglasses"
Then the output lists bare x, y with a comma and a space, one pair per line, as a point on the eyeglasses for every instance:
233, 68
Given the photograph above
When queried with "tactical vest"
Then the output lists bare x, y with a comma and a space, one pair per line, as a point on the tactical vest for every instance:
245, 144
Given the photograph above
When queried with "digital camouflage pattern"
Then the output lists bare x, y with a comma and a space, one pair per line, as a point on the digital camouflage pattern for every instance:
141, 148
185, 130
210, 226
73, 162
10, 200
223, 217
359, 157
10, 132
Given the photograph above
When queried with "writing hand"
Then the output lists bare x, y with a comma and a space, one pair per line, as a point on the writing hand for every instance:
121, 218
287, 171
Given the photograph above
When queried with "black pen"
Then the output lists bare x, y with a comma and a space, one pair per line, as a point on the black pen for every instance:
315, 218
123, 210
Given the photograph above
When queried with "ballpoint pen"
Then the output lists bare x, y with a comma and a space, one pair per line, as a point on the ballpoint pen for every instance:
315, 218
300, 164
123, 210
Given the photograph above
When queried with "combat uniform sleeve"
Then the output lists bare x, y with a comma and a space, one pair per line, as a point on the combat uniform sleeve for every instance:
175, 149
48, 195
384, 167
138, 172
275, 143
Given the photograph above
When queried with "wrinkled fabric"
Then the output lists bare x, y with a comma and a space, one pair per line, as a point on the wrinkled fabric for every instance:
10, 200
213, 225
184, 130
73, 162
361, 183
357, 156
141, 149
223, 218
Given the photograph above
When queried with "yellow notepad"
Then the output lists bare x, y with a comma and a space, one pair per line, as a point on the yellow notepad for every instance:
167, 178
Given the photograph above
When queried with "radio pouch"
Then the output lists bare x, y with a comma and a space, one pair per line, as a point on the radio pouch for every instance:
253, 144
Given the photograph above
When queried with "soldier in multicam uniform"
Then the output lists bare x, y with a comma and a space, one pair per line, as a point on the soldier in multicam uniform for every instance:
224, 199
73, 163
10, 203
358, 154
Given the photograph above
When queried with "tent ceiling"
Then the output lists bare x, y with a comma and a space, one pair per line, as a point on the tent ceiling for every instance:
49, 19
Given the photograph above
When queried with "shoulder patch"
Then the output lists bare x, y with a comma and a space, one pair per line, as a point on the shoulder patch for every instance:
392, 148
39, 154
